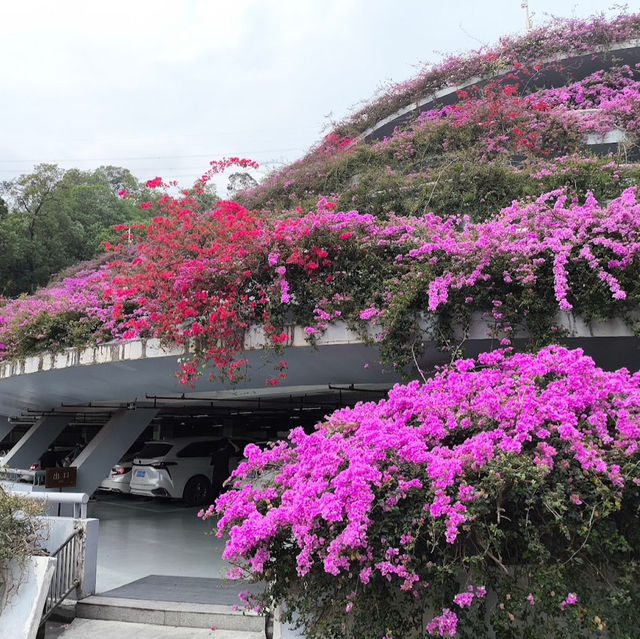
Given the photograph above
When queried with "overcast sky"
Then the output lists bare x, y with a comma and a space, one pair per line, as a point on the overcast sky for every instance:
163, 87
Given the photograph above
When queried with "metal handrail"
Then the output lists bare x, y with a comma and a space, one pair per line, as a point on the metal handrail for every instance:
79, 500
67, 573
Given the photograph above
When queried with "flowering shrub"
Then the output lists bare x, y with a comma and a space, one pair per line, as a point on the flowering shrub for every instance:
204, 277
494, 145
558, 39
501, 493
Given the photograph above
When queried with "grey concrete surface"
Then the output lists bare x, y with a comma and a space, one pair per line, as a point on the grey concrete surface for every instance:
96, 629
141, 537
35, 441
184, 589
108, 446
167, 613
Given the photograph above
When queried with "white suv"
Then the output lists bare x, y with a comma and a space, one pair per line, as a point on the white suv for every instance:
179, 468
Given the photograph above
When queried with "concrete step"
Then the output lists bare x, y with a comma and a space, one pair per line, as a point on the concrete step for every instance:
100, 629
170, 613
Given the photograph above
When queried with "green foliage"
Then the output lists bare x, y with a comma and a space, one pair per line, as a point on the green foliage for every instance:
19, 527
431, 174
52, 332
57, 218
21, 531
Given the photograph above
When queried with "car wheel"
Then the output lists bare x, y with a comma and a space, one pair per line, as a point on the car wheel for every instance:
197, 491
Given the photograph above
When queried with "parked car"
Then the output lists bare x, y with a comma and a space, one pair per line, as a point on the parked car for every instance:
179, 468
61, 453
119, 478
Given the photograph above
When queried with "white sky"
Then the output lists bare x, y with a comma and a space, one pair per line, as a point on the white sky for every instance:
163, 87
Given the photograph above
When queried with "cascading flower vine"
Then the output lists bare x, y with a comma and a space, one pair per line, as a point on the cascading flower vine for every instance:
203, 278
382, 499
236, 270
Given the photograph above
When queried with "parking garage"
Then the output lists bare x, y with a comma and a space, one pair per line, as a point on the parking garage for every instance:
108, 401
111, 399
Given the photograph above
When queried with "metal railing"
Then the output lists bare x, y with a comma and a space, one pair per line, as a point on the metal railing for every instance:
79, 500
68, 571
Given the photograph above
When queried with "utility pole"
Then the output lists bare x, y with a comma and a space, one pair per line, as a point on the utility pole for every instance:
524, 4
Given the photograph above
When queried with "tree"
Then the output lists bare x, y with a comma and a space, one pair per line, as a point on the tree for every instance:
29, 194
93, 210
57, 218
240, 181
115, 178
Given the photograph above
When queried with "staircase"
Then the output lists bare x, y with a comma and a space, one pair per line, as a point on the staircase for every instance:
100, 629
169, 613
161, 606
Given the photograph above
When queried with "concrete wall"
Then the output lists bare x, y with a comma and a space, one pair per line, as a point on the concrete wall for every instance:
21, 607
58, 530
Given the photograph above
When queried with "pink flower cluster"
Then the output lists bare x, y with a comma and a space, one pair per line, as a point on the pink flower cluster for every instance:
322, 491
570, 600
444, 259
613, 97
84, 293
559, 39
444, 625
606, 241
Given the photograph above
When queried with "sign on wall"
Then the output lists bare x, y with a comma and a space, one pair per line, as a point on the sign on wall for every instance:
60, 477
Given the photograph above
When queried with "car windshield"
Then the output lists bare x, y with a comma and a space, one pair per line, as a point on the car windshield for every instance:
154, 449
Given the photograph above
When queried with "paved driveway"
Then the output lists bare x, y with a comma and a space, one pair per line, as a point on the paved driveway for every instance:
140, 537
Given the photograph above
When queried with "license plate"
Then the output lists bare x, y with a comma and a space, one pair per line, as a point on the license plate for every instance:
140, 473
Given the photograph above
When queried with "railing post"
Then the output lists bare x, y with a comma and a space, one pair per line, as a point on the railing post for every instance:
67, 575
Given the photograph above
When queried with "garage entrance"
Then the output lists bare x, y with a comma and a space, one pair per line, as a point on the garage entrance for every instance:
145, 498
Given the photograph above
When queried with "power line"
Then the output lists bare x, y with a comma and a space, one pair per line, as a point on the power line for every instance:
157, 157
196, 171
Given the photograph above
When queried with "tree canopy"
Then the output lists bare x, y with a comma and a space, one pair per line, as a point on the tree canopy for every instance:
53, 218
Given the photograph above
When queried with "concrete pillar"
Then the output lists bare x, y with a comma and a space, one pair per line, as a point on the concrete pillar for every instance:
5, 427
108, 446
35, 441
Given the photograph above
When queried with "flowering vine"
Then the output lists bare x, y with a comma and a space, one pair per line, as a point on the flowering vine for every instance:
203, 278
428, 499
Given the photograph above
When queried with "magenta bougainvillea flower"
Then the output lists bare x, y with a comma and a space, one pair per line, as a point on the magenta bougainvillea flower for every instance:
366, 494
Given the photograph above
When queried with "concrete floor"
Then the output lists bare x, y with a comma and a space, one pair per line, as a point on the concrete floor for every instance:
93, 629
140, 537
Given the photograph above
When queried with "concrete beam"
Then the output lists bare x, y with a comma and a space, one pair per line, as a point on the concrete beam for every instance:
35, 441
108, 446
5, 427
